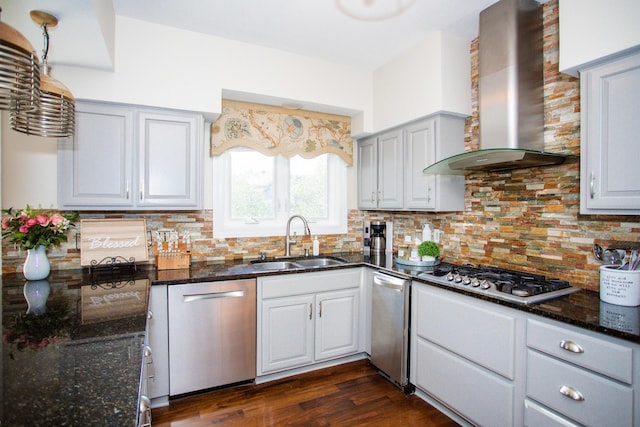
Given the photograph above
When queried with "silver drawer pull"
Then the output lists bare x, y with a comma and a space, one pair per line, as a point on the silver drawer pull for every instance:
571, 393
571, 346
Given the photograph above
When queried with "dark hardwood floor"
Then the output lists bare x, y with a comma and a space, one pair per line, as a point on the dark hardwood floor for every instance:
353, 394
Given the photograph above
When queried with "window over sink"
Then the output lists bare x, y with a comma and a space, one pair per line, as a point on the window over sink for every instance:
255, 194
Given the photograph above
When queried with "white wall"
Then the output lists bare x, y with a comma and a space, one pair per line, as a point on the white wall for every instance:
433, 76
29, 169
166, 67
594, 29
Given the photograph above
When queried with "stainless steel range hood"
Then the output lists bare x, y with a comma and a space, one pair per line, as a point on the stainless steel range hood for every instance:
510, 93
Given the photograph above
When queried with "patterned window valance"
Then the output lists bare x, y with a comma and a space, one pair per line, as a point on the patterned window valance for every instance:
274, 130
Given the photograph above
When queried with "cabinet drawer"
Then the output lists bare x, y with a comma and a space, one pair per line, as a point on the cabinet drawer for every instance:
539, 416
468, 327
593, 353
479, 395
308, 283
604, 402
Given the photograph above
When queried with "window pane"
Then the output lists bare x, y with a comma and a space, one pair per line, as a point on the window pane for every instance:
252, 185
308, 186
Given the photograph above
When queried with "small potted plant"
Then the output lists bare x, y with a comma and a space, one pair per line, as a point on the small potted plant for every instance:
428, 251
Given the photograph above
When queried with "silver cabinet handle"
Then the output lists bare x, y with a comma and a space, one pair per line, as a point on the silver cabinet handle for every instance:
320, 310
145, 403
127, 190
147, 351
571, 346
149, 314
592, 185
571, 393
394, 283
213, 295
310, 310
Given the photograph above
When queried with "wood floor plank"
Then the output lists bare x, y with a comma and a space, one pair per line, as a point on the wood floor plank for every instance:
351, 395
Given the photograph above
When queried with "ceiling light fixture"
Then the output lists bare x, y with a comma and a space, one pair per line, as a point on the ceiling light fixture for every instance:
19, 71
55, 116
373, 10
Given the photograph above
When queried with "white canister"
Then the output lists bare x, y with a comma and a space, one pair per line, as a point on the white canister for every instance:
621, 287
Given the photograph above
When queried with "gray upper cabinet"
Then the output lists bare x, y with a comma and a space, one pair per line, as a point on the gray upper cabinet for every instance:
380, 171
610, 150
390, 167
127, 157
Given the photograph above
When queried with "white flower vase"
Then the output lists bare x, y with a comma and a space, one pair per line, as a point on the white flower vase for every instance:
36, 293
36, 266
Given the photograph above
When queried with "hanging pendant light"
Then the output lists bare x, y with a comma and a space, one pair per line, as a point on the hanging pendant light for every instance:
55, 116
19, 71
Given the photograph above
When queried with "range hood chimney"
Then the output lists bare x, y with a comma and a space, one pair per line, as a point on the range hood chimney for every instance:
510, 93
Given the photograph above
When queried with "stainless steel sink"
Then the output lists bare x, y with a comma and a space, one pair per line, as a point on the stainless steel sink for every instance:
296, 263
319, 262
275, 265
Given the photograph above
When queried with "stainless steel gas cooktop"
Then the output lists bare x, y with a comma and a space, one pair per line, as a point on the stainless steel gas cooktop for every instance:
508, 285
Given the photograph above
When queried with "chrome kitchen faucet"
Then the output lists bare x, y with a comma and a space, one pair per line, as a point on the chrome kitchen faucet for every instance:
288, 240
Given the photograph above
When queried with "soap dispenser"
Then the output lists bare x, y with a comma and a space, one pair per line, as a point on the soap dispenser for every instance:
316, 246
426, 233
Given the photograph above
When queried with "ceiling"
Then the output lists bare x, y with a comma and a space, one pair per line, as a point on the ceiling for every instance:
314, 28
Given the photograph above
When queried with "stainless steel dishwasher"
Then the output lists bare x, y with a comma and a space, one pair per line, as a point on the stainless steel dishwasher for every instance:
390, 327
212, 334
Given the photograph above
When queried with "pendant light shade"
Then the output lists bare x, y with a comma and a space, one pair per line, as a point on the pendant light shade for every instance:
54, 117
55, 114
19, 71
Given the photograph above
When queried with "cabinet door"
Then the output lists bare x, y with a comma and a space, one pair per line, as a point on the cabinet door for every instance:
610, 172
95, 164
367, 174
336, 324
419, 153
287, 332
158, 340
170, 158
390, 170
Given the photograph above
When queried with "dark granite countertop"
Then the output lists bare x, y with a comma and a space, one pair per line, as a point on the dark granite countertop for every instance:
72, 357
78, 361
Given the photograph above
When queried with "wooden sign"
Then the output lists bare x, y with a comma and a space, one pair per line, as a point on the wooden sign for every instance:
110, 238
104, 304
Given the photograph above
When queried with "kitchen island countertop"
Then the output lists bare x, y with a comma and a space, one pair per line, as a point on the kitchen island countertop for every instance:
80, 359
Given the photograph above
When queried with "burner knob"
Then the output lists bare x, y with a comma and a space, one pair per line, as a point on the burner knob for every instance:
457, 278
485, 284
450, 276
475, 282
466, 280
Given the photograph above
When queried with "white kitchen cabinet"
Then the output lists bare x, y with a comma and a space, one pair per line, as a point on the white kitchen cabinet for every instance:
158, 342
426, 142
467, 354
307, 318
128, 157
390, 166
579, 377
287, 332
380, 171
610, 153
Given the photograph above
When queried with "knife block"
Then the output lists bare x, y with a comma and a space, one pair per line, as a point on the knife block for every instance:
172, 260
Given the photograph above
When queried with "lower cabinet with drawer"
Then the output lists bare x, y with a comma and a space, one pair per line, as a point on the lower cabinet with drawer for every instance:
466, 354
576, 377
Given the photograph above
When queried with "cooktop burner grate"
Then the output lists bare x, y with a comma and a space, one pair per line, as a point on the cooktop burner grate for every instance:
509, 285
